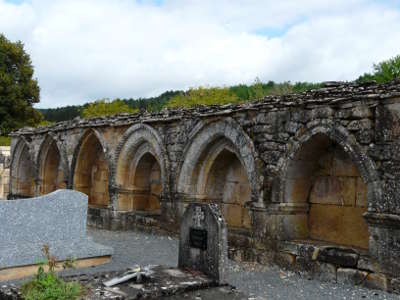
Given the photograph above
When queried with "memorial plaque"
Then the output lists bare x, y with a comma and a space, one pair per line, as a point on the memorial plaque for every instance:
198, 238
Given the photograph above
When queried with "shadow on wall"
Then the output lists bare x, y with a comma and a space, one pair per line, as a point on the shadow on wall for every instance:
323, 175
51, 173
141, 185
22, 172
4, 171
91, 171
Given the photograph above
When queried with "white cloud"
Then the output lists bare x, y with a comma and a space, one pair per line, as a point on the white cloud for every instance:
88, 49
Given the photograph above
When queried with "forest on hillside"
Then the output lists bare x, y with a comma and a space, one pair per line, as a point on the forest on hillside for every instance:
382, 72
194, 96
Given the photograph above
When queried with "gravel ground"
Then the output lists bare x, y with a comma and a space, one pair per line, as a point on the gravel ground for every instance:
260, 282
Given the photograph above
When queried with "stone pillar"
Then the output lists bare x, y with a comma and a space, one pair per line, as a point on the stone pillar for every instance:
384, 242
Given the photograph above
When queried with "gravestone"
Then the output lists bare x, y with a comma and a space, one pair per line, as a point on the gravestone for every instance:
58, 220
203, 241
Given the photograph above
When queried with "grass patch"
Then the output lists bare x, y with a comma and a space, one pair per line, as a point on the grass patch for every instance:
5, 140
48, 286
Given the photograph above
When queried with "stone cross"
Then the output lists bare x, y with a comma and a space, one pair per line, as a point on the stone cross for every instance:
198, 216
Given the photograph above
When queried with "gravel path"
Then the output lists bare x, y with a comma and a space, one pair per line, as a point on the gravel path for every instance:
260, 282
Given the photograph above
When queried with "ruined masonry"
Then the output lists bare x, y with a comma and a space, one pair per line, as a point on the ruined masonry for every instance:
310, 181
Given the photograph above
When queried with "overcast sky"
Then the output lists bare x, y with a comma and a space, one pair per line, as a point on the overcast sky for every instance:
89, 49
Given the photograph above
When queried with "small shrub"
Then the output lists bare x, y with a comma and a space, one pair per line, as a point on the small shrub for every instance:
5, 140
48, 286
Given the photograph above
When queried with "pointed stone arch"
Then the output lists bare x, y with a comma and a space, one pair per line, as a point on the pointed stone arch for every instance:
22, 171
91, 164
219, 166
140, 176
328, 176
53, 171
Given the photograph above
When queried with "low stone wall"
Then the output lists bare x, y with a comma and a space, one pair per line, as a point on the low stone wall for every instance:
104, 218
4, 171
330, 263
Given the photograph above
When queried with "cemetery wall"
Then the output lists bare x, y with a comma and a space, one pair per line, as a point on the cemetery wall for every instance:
4, 171
294, 175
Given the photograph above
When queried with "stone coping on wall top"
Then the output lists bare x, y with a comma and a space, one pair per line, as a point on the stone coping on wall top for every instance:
331, 93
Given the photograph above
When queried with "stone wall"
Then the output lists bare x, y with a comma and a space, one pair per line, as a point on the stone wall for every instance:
319, 168
4, 171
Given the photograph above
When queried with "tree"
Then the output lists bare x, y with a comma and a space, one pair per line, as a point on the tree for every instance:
384, 71
203, 96
105, 107
18, 90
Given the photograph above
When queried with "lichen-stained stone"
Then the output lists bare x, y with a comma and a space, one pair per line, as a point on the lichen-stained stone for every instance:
343, 165
361, 195
203, 241
326, 272
395, 285
334, 190
377, 282
297, 190
232, 213
57, 219
338, 257
360, 124
351, 276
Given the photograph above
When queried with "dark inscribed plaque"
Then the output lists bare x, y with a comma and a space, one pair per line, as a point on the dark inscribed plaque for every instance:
198, 238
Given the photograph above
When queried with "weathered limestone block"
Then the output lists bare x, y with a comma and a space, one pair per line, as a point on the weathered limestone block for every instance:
351, 276
334, 190
368, 264
338, 257
395, 285
292, 226
285, 260
323, 218
360, 124
377, 281
325, 272
358, 112
321, 113
361, 194
384, 241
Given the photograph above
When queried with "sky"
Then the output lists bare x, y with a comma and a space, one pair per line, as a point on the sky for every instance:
90, 49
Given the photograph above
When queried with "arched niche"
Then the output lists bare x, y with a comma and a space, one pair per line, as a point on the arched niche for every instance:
91, 170
22, 172
51, 169
140, 175
218, 167
324, 175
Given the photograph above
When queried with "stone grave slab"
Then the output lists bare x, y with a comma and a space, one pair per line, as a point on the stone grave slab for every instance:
203, 241
58, 220
164, 283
